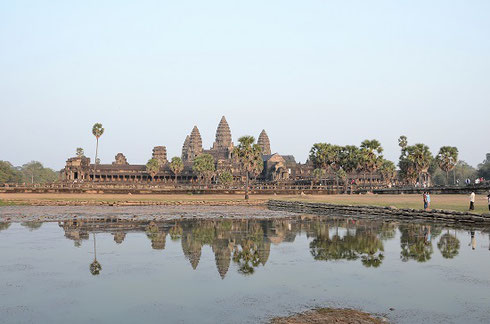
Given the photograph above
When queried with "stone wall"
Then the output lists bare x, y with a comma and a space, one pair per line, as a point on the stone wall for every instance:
434, 215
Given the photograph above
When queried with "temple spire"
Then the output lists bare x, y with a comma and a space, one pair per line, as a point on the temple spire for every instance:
264, 143
223, 135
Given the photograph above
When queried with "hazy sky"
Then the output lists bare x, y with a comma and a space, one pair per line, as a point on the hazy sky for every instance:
306, 71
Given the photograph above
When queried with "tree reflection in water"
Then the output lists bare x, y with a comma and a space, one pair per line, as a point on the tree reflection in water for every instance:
247, 243
4, 226
415, 242
359, 241
448, 245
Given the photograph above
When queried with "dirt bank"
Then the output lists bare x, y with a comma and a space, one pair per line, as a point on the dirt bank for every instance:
330, 315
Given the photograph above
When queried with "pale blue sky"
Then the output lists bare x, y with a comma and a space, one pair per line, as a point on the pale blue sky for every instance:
306, 71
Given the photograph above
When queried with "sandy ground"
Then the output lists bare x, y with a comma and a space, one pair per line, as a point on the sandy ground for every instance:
329, 315
449, 202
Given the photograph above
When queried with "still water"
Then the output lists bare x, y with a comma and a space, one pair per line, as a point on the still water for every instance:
240, 270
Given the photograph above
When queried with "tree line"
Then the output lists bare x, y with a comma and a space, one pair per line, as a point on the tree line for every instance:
32, 172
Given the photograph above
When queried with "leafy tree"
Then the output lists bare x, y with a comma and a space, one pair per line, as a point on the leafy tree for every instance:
324, 156
419, 155
204, 166
9, 174
249, 156
387, 170
35, 172
80, 152
447, 159
225, 178
177, 166
152, 167
97, 131
484, 169
370, 156
349, 160
415, 160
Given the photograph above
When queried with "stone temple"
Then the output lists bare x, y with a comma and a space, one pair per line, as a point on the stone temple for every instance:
277, 167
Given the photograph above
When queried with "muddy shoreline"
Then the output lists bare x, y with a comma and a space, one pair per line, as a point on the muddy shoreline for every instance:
330, 315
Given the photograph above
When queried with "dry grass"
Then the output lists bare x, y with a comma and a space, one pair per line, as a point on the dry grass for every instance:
448, 202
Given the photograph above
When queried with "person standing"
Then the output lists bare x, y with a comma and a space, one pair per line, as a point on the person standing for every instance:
428, 200
472, 201
488, 198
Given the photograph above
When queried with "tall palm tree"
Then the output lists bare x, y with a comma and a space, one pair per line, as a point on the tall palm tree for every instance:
420, 156
447, 159
371, 157
324, 156
249, 156
97, 131
177, 166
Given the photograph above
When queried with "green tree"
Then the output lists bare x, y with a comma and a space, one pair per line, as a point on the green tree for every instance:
447, 158
97, 131
349, 160
225, 178
387, 170
484, 169
152, 167
249, 156
420, 156
204, 166
35, 172
177, 166
324, 156
80, 152
370, 157
318, 175
9, 174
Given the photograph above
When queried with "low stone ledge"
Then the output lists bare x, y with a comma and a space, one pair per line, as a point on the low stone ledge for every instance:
381, 211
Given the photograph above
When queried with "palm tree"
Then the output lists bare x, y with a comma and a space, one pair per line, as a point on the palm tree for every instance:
95, 267
371, 157
324, 156
349, 160
387, 170
97, 131
177, 166
204, 166
80, 152
152, 167
249, 156
419, 155
447, 158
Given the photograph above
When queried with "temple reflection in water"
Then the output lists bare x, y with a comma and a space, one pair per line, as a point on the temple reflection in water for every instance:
247, 243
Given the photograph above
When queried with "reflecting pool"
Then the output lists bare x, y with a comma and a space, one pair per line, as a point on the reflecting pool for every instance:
110, 269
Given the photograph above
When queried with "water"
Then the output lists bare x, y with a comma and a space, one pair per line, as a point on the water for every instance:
240, 270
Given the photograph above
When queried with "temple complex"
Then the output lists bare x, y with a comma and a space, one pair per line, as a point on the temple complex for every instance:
278, 168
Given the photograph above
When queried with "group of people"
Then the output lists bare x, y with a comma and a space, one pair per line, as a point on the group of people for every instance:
472, 200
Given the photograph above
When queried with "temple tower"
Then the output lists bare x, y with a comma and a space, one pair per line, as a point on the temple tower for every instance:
264, 143
160, 154
120, 159
185, 148
223, 135
193, 147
